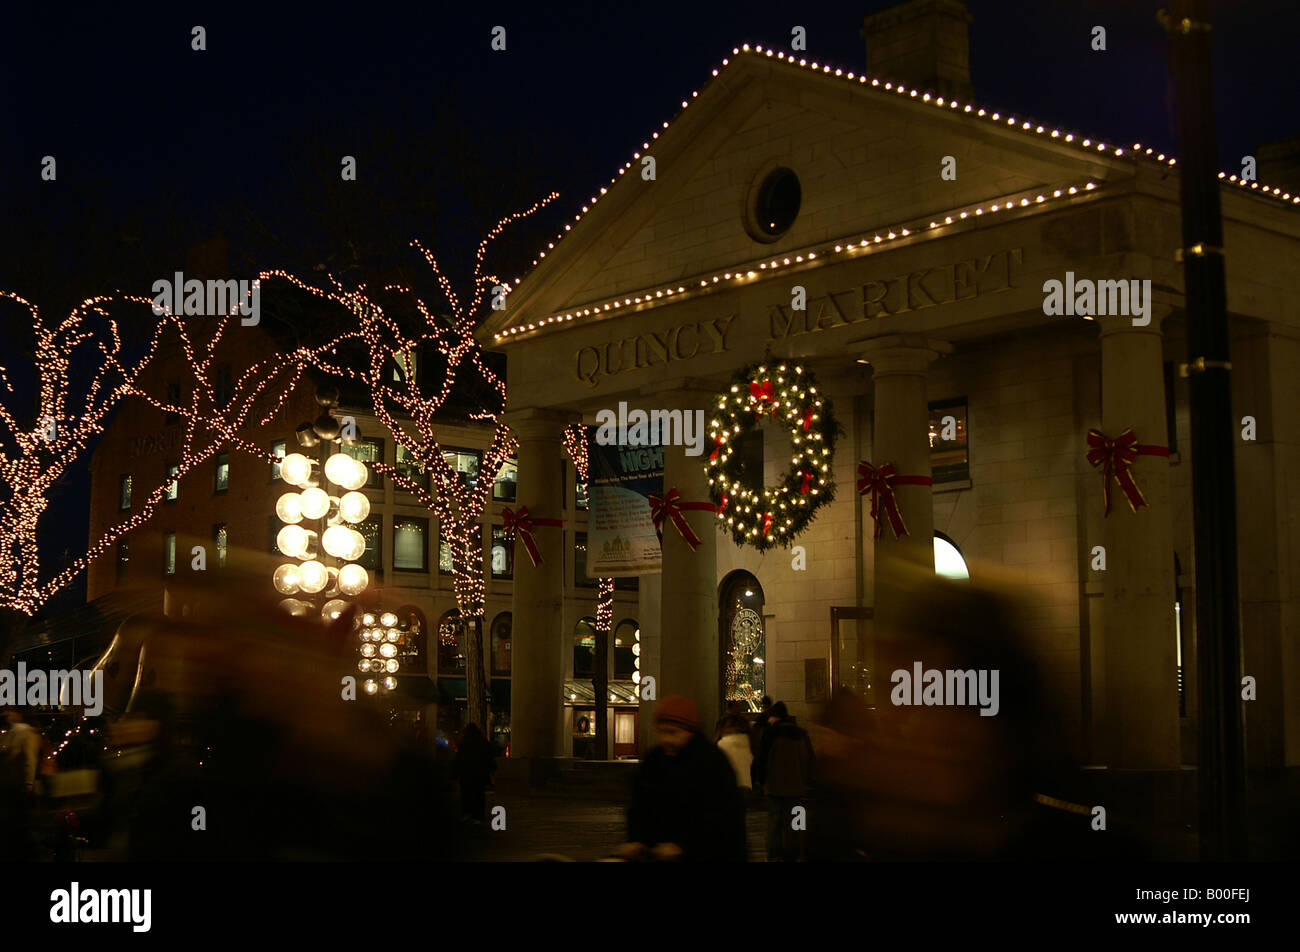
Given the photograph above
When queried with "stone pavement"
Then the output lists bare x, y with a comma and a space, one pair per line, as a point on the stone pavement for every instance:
576, 829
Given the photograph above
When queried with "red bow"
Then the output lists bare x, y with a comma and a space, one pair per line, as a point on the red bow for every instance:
807, 478
1116, 456
807, 420
767, 523
764, 395
717, 447
671, 507
522, 524
880, 482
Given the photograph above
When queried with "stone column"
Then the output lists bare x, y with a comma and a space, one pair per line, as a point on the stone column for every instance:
688, 659
1141, 720
901, 435
649, 603
537, 672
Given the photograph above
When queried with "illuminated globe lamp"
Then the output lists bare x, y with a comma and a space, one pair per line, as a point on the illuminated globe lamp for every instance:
342, 470
353, 579
344, 542
289, 508
315, 503
333, 609
296, 470
297, 542
313, 576
354, 507
287, 579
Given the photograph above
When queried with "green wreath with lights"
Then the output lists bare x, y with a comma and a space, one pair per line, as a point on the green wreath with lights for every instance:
767, 516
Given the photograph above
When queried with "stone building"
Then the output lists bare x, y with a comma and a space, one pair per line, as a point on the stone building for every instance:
922, 230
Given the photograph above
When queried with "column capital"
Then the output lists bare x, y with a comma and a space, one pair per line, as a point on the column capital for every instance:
1124, 324
534, 423
901, 353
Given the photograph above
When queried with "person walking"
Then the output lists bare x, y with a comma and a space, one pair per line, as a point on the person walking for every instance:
784, 765
20, 754
733, 740
475, 762
685, 804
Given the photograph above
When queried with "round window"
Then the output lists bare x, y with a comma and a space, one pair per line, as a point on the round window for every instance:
777, 203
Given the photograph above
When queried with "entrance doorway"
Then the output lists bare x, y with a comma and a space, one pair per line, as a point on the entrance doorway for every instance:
742, 640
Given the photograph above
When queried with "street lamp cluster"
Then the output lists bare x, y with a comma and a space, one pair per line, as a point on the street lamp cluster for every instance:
318, 521
380, 637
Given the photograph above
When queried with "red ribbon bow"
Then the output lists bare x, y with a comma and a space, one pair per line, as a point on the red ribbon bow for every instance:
880, 482
522, 524
807, 478
671, 507
764, 395
717, 448
1115, 457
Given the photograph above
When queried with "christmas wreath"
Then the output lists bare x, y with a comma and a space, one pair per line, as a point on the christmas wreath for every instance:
766, 516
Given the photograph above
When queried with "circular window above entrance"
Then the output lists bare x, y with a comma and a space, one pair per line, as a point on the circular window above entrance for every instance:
775, 204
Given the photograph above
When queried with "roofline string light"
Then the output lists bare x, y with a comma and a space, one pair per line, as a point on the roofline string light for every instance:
756, 270
1086, 143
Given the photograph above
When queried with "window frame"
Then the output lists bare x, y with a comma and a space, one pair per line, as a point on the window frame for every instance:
218, 461
424, 549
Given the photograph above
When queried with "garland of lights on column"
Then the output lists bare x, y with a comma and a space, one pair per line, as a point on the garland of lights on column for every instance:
766, 516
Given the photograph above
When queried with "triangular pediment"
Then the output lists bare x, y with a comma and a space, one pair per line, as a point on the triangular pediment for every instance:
867, 158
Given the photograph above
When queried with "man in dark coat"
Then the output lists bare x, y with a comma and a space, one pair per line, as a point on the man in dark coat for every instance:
685, 802
784, 766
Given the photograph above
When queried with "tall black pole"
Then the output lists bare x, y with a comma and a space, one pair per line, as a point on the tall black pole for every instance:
1221, 771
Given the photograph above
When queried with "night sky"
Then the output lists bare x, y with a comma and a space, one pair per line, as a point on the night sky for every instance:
159, 146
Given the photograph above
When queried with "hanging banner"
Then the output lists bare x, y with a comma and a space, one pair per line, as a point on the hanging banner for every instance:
621, 537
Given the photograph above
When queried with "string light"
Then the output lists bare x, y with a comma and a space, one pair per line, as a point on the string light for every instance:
575, 444
924, 98
68, 419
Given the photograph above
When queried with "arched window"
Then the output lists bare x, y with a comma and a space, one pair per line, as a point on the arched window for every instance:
451, 655
743, 641
501, 645
584, 648
948, 561
627, 650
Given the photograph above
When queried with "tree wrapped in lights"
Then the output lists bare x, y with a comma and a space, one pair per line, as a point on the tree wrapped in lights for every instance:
408, 400
74, 404
575, 443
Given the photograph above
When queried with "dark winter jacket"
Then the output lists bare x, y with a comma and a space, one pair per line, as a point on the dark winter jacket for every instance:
690, 799
784, 763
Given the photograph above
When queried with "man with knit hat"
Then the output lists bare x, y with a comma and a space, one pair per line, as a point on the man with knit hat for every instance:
685, 802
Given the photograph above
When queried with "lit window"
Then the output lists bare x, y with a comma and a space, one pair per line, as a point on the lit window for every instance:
169, 553
221, 480
411, 468
124, 494
464, 462
949, 450
503, 490
219, 542
409, 544
173, 482
502, 562
277, 450
948, 561
368, 450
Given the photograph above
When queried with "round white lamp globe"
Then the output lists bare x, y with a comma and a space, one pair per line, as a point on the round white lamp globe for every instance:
342, 470
296, 469
292, 541
354, 507
287, 579
353, 579
313, 576
315, 503
289, 508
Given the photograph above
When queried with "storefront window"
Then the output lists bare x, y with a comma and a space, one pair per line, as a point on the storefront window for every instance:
410, 467
949, 453
626, 649
584, 648
464, 462
451, 659
410, 543
502, 558
368, 450
373, 530
501, 645
744, 646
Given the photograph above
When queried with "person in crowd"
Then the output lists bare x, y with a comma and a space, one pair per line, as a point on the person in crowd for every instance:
733, 740
784, 766
685, 804
475, 762
734, 709
760, 725
20, 753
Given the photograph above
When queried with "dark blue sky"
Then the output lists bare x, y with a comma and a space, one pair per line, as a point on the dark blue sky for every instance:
159, 146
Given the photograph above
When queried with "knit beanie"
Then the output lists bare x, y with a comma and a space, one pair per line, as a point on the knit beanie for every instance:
678, 711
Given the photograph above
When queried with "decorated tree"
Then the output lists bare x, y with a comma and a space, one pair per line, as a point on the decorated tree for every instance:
82, 372
575, 443
417, 363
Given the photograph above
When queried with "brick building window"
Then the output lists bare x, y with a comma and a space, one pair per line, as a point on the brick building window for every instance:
124, 493
169, 553
502, 560
278, 451
410, 544
172, 491
219, 542
221, 475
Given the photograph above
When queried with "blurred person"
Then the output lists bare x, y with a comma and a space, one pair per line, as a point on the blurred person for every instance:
257, 717
685, 803
784, 765
733, 740
475, 762
734, 709
20, 755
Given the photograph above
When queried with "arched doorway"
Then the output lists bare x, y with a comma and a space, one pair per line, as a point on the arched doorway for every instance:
742, 641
